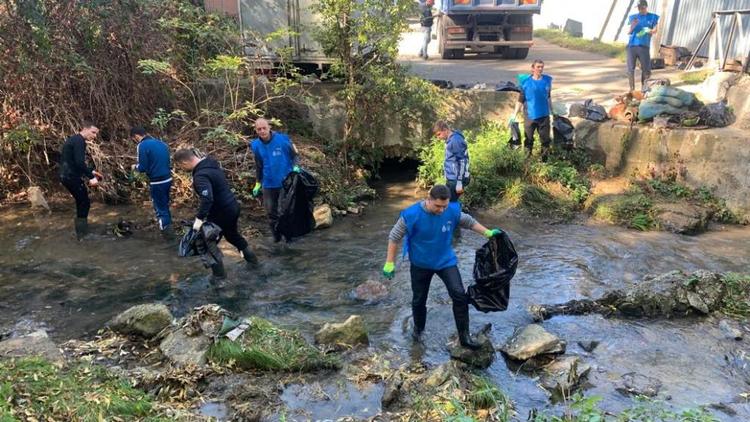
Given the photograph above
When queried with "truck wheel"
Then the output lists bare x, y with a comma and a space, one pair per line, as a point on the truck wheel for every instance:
516, 53
458, 53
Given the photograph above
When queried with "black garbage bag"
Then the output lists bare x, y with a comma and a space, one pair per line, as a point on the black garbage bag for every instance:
494, 266
203, 243
515, 135
296, 205
563, 132
589, 110
717, 114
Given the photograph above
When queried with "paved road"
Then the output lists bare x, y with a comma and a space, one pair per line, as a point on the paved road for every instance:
577, 75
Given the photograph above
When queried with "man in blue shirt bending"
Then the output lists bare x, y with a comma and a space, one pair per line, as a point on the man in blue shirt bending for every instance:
536, 99
275, 156
642, 27
153, 159
428, 229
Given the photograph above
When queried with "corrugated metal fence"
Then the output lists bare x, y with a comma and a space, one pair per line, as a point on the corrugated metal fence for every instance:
686, 21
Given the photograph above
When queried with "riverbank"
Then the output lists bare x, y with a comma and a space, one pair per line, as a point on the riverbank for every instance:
72, 289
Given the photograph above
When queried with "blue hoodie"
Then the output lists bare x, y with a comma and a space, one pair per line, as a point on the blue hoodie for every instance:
456, 165
153, 159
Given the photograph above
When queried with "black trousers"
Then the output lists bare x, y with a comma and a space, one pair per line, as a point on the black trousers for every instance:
271, 204
541, 126
452, 186
420, 287
77, 188
643, 55
227, 220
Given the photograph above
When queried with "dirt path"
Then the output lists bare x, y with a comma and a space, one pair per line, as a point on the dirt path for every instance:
577, 75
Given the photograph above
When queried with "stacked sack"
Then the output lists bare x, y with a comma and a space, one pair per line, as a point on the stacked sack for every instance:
666, 100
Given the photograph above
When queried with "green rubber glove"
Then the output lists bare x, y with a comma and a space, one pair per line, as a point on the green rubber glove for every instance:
490, 233
296, 169
511, 119
389, 270
256, 190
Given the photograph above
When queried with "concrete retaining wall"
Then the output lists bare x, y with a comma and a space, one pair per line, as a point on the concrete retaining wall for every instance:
717, 158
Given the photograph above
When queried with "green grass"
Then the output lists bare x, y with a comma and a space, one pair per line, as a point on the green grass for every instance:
500, 174
268, 348
616, 50
34, 388
633, 209
694, 78
737, 298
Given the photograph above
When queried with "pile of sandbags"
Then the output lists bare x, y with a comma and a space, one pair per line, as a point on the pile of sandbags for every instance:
666, 100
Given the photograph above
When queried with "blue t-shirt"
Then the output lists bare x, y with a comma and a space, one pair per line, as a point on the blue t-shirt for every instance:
536, 93
429, 236
648, 21
277, 158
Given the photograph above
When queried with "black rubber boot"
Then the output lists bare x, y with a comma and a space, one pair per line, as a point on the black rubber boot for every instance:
250, 257
462, 325
82, 227
420, 319
218, 271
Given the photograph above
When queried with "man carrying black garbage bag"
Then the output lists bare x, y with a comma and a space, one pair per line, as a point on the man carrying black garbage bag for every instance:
217, 202
428, 227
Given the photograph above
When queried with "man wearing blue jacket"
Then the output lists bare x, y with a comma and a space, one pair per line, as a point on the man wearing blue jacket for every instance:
153, 159
456, 164
642, 27
428, 228
275, 156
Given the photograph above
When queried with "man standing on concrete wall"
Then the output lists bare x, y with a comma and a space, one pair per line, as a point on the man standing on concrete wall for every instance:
642, 27
536, 99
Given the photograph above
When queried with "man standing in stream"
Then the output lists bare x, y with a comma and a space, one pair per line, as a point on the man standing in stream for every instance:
73, 168
428, 227
275, 155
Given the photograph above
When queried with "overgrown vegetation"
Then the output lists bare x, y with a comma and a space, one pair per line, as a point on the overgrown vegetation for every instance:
266, 347
379, 95
480, 400
557, 37
737, 298
500, 173
636, 208
586, 409
34, 389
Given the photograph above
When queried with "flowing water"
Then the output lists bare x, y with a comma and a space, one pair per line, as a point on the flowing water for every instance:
71, 289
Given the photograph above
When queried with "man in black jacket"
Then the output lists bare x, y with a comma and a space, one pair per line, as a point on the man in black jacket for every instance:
73, 168
217, 202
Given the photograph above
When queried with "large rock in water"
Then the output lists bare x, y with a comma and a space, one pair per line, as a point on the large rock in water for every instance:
349, 333
667, 295
323, 216
531, 341
682, 218
34, 344
481, 358
144, 320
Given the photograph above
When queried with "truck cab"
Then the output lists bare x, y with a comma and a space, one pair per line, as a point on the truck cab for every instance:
485, 26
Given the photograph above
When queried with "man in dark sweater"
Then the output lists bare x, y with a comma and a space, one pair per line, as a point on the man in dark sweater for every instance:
73, 168
153, 159
217, 202
426, 18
